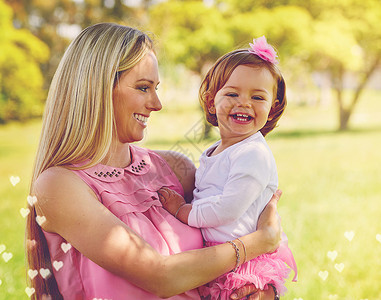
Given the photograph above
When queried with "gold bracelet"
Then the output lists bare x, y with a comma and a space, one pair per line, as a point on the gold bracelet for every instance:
236, 254
244, 250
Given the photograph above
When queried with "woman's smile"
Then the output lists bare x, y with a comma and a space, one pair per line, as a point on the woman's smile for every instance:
142, 119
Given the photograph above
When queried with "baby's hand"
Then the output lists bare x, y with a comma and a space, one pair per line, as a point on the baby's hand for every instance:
170, 199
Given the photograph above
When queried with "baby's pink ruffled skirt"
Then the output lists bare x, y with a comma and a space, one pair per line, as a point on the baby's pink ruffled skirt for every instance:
261, 271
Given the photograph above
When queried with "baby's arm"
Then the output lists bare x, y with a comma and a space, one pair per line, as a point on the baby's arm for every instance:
175, 204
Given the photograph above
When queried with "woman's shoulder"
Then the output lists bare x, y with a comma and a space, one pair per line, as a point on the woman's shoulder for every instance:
54, 177
54, 184
58, 190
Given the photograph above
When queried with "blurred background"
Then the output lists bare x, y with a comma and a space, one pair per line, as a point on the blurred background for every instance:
326, 145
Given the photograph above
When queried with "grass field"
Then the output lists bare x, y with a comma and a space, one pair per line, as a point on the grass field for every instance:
331, 206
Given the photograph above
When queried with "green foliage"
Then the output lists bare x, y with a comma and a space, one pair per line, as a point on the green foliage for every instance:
286, 27
187, 33
21, 81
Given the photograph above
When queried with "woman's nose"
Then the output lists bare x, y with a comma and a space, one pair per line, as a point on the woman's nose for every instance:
155, 104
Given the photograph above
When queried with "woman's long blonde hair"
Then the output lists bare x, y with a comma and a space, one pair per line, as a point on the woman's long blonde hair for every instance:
78, 122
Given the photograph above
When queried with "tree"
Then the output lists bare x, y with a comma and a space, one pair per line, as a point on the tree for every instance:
21, 81
346, 39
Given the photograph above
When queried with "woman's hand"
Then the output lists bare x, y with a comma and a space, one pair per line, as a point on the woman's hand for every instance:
252, 293
170, 199
269, 223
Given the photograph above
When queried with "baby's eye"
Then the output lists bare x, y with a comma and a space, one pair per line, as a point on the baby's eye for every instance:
257, 98
232, 94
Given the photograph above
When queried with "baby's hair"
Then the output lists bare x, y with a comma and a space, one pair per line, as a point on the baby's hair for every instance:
219, 74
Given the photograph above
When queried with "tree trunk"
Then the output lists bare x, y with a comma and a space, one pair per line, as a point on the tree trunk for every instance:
345, 113
344, 119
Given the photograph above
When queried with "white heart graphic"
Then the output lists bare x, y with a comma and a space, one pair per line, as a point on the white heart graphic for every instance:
14, 180
349, 235
29, 291
24, 212
339, 267
2, 248
0, 282
32, 200
32, 273
332, 255
323, 274
30, 244
40, 220
44, 273
57, 265
378, 237
65, 247
7, 256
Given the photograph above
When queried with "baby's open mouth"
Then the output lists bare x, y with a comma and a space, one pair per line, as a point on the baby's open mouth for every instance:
241, 117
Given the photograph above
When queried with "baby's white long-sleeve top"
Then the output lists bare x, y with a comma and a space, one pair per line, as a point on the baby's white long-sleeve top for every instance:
232, 189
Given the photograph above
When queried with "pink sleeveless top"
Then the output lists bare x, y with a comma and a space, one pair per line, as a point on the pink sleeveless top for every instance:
130, 194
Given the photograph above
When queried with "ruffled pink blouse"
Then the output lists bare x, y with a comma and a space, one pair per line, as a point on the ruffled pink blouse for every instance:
130, 194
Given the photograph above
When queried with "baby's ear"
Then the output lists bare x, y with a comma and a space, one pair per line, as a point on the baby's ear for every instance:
272, 110
275, 103
212, 109
210, 104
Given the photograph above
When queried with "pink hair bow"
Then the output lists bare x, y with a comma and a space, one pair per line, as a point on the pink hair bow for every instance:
263, 50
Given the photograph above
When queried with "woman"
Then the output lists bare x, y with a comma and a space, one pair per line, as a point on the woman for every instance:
104, 233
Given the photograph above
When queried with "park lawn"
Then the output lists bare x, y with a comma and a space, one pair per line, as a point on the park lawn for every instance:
330, 206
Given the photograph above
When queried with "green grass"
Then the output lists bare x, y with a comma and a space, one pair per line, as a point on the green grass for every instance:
330, 180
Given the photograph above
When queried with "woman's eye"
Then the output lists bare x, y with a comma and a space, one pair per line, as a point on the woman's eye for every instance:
143, 88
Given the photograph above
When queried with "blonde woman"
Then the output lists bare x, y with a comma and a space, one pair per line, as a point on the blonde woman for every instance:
97, 228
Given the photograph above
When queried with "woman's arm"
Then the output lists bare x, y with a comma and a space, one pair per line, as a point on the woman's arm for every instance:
73, 211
